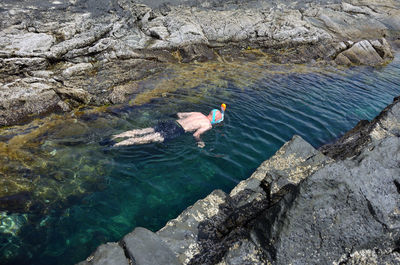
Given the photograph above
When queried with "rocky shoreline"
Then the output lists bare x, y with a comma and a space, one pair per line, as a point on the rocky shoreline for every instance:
56, 56
336, 205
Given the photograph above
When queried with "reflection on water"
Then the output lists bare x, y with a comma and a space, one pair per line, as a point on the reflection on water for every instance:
62, 192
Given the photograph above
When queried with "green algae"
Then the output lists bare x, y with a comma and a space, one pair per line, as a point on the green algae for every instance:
199, 80
35, 163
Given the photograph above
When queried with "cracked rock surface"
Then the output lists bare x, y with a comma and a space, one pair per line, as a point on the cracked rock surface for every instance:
100, 48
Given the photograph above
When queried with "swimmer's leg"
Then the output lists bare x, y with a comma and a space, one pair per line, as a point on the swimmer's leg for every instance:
133, 133
150, 138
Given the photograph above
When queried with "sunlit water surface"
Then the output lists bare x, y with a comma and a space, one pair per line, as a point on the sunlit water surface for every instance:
121, 188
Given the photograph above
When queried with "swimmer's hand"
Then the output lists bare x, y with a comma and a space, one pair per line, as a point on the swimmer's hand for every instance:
201, 144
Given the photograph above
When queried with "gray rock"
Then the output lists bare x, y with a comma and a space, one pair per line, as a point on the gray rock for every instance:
341, 59
76, 69
383, 48
181, 234
107, 254
290, 165
243, 252
26, 43
26, 97
362, 53
370, 257
42, 74
121, 93
204, 232
387, 123
78, 41
146, 248
76, 94
12, 66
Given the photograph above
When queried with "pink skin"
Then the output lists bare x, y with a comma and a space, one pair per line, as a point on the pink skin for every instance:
190, 121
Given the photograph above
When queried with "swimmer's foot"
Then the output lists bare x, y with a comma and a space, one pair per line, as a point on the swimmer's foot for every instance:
107, 142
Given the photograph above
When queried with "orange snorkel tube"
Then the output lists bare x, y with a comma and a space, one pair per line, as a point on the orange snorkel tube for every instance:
223, 107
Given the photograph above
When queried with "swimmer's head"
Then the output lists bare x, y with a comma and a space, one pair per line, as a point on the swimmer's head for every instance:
216, 116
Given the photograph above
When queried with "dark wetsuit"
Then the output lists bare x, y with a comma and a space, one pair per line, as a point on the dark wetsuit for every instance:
169, 129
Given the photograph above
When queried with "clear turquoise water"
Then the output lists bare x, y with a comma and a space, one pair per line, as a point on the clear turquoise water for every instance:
148, 185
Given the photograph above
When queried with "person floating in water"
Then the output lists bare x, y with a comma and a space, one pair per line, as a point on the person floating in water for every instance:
165, 130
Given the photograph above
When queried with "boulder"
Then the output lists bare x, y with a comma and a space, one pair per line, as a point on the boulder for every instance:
107, 254
361, 53
146, 248
26, 97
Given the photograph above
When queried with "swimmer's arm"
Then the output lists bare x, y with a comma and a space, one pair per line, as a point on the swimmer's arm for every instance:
184, 114
197, 134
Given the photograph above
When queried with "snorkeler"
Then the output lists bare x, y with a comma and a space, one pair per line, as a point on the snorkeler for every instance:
165, 130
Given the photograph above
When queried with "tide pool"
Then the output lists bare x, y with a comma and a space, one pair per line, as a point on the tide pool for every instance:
76, 193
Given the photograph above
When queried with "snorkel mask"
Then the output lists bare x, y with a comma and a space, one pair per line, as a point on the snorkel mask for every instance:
214, 112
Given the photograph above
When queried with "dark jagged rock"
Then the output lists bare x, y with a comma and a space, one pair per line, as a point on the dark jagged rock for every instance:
347, 205
387, 123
